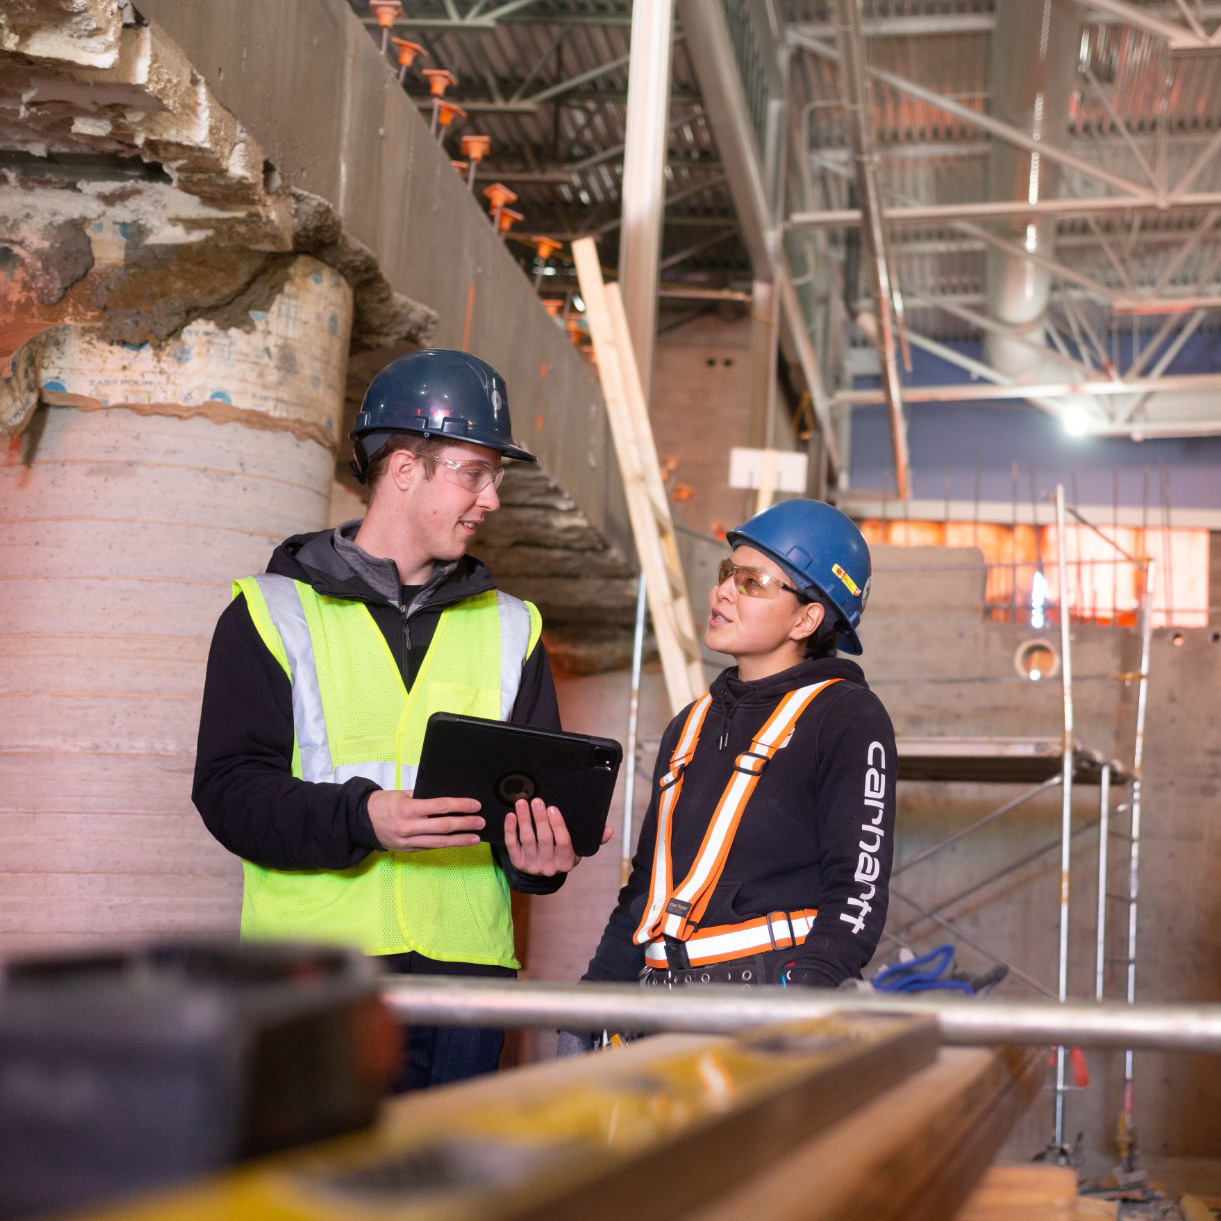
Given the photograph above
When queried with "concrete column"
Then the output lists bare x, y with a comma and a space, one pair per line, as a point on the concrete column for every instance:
149, 478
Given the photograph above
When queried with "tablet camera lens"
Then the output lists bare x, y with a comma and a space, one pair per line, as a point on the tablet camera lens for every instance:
603, 757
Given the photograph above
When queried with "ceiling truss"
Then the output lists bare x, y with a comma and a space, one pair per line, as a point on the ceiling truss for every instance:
882, 170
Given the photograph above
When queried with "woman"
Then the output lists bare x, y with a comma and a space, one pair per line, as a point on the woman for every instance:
766, 850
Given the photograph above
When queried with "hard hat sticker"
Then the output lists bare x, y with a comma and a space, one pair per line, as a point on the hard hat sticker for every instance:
847, 580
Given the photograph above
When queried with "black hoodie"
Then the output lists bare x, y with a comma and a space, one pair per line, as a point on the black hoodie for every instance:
244, 786
803, 834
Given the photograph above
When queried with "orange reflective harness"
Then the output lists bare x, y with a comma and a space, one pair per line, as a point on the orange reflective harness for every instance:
669, 929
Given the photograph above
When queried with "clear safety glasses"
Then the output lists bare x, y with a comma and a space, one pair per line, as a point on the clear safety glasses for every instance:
753, 582
473, 476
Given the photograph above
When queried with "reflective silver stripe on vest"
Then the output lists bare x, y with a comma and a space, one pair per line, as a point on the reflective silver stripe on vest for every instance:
309, 719
514, 642
382, 774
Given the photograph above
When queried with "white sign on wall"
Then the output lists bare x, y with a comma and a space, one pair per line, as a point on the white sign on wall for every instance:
777, 470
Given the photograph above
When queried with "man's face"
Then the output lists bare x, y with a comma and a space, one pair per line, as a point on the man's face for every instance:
442, 501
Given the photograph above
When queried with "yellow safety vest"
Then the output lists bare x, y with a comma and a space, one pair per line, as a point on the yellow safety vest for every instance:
353, 716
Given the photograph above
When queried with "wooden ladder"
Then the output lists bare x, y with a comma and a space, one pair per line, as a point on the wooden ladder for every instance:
648, 505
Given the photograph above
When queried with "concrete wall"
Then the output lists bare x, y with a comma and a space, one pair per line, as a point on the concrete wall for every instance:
701, 373
943, 670
333, 120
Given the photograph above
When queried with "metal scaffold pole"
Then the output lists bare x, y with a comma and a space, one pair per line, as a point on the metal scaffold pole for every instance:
1104, 832
1066, 793
633, 731
1127, 1126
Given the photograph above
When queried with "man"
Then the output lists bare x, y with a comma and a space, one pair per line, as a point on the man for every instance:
322, 675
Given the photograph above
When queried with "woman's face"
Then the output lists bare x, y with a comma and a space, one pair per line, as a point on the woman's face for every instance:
763, 634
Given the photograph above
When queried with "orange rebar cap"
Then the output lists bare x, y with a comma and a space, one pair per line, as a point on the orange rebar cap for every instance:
476, 147
446, 112
546, 247
498, 195
460, 166
507, 219
439, 79
408, 51
386, 11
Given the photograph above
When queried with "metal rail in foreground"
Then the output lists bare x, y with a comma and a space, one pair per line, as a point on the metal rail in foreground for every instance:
724, 1009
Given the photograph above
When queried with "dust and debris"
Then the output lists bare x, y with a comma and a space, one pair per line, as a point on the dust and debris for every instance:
19, 390
381, 317
160, 289
53, 257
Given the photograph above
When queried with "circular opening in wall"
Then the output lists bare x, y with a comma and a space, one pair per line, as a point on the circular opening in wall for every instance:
1036, 660
1178, 640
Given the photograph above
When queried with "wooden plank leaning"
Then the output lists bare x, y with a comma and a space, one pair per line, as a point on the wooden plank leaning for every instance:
648, 505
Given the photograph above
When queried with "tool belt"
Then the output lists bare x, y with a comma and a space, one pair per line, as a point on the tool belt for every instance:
751, 969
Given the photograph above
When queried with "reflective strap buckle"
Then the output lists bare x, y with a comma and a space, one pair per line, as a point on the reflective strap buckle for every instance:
771, 936
756, 764
673, 776
677, 958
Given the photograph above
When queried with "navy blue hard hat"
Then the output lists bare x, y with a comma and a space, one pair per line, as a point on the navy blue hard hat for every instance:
823, 553
440, 393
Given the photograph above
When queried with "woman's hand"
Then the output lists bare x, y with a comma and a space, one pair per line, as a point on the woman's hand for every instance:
537, 839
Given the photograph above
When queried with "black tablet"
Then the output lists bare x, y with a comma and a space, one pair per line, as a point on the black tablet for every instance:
496, 763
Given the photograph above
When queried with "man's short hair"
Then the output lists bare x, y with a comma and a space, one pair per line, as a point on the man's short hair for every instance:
425, 447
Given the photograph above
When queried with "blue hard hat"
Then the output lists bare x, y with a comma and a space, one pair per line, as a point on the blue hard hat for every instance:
823, 552
440, 393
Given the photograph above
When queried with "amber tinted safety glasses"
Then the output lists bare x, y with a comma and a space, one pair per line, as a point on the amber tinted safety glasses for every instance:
753, 582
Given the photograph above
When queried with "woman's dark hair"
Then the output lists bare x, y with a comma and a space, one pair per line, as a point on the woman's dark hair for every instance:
822, 641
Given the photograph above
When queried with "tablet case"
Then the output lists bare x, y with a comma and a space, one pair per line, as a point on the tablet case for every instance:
496, 763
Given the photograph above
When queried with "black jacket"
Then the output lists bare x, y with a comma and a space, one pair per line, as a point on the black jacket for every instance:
801, 838
244, 787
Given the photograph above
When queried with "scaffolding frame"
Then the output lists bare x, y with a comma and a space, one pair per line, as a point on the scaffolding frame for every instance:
1046, 765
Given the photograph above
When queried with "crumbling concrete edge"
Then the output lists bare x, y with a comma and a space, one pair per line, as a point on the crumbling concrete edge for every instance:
218, 413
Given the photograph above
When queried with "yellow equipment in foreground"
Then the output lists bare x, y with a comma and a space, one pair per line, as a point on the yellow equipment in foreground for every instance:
852, 1116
